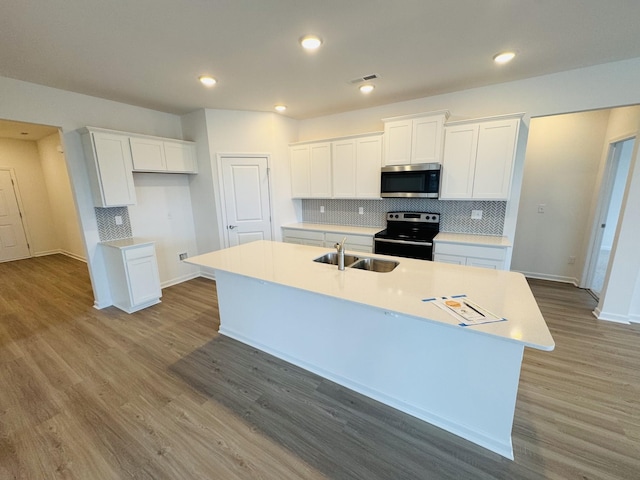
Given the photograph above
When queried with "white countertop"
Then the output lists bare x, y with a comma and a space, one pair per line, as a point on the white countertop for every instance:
127, 242
400, 291
469, 239
321, 227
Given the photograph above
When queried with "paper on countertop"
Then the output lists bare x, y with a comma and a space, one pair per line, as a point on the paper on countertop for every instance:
466, 311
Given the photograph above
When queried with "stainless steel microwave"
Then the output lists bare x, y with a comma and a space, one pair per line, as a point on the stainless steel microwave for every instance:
421, 180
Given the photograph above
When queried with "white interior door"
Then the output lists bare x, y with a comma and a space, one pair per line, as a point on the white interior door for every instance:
13, 240
245, 185
611, 196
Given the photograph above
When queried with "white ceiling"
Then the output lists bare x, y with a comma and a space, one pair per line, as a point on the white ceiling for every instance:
25, 131
150, 52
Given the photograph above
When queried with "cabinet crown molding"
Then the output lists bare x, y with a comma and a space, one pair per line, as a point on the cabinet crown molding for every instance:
336, 139
434, 113
506, 116
88, 129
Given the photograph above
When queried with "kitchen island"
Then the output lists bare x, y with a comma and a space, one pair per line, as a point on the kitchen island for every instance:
374, 333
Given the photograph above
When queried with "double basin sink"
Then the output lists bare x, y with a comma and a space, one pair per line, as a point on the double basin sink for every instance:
361, 263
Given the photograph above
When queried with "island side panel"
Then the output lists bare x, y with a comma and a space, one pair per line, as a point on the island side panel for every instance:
466, 384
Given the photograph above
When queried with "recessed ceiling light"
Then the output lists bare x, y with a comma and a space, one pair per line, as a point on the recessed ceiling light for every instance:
207, 80
310, 42
280, 108
367, 88
504, 57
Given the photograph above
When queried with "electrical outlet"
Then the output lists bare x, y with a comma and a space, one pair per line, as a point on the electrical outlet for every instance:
361, 210
118, 219
183, 256
572, 260
476, 214
541, 208
321, 208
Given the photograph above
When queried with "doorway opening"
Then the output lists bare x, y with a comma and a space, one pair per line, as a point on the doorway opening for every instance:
34, 171
610, 203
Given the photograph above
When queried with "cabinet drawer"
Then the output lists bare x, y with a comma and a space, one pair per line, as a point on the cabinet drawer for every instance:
477, 251
362, 240
140, 252
306, 234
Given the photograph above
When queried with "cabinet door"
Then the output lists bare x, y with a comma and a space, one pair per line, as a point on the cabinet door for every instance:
453, 259
148, 155
458, 163
144, 281
485, 263
320, 169
300, 179
426, 145
180, 157
494, 159
368, 163
114, 170
344, 169
398, 142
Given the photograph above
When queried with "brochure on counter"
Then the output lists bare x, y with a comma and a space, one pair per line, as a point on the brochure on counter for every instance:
465, 310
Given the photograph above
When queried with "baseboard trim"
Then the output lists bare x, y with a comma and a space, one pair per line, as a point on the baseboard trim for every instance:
552, 278
183, 278
611, 317
60, 252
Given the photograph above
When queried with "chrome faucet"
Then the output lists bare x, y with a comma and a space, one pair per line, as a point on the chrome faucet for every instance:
340, 248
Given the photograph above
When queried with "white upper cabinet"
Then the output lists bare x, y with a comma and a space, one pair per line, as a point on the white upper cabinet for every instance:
347, 167
148, 155
344, 168
163, 156
300, 168
368, 164
478, 158
180, 157
320, 169
110, 167
356, 167
414, 138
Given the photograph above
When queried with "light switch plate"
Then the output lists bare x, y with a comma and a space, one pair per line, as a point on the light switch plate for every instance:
118, 219
476, 214
361, 210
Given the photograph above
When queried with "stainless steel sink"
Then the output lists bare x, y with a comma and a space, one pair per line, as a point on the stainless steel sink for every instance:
375, 265
352, 261
332, 259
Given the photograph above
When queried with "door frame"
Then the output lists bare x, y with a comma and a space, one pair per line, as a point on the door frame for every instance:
604, 198
23, 215
224, 237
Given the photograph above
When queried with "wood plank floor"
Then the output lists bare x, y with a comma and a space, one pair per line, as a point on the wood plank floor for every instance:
88, 394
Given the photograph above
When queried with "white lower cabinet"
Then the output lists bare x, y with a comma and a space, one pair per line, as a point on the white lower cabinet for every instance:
132, 269
471, 255
302, 237
356, 243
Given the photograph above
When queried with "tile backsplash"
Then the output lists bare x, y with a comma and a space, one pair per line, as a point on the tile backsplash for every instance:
107, 228
455, 215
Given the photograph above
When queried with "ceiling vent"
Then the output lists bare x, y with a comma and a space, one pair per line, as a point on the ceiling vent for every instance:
366, 78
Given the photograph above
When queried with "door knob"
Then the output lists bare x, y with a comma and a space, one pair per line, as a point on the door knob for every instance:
231, 227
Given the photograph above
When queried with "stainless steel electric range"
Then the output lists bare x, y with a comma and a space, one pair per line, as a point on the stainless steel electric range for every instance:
408, 234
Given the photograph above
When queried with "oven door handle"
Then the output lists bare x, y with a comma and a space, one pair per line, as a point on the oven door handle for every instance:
404, 242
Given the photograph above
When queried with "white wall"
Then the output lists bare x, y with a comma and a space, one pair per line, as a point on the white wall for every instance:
63, 209
560, 171
230, 131
163, 213
23, 157
27, 102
